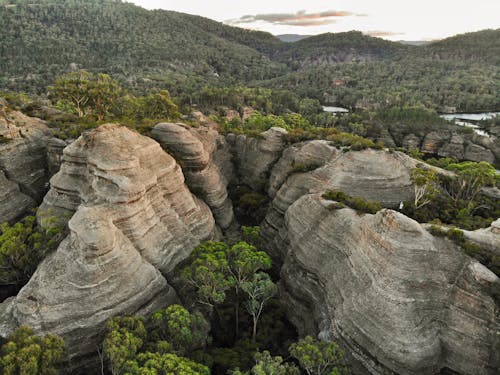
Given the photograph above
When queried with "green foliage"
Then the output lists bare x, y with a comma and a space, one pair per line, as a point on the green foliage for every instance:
215, 267
411, 80
470, 178
455, 199
239, 356
208, 272
260, 289
186, 332
163, 364
145, 49
27, 354
245, 260
87, 93
355, 203
424, 183
251, 234
125, 337
269, 365
169, 50
470, 248
338, 138
22, 247
319, 357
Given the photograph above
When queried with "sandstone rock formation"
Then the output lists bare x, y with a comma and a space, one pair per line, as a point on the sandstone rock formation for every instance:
23, 165
254, 157
399, 299
132, 220
13, 203
488, 238
373, 175
194, 149
55, 147
445, 141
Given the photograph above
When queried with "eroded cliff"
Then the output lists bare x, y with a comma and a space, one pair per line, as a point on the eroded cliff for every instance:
131, 220
397, 298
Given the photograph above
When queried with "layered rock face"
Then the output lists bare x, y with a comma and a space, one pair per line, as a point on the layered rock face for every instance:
446, 142
254, 157
373, 175
195, 149
132, 220
399, 299
23, 164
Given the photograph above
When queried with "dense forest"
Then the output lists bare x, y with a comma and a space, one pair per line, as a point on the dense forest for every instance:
184, 53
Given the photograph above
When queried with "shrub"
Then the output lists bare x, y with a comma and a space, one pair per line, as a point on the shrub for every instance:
25, 353
470, 248
22, 247
358, 204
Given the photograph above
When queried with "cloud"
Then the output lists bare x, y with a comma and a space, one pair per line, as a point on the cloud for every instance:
381, 34
301, 18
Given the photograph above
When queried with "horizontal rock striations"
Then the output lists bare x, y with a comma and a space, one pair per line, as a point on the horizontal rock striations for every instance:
96, 273
445, 142
316, 166
254, 157
13, 203
398, 298
132, 219
195, 150
23, 163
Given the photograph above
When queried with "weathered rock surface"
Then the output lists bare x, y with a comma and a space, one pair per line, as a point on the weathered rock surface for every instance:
194, 149
254, 157
13, 203
132, 220
22, 162
445, 141
454, 148
488, 238
95, 274
400, 299
412, 142
55, 147
373, 175
433, 141
478, 153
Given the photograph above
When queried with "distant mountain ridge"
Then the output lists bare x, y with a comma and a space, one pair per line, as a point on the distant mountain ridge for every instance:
164, 49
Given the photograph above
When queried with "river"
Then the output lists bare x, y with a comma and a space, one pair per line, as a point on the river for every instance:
335, 109
464, 119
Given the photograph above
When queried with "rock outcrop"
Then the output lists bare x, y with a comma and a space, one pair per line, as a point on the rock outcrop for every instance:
444, 141
23, 165
13, 203
254, 157
373, 175
194, 149
132, 221
398, 298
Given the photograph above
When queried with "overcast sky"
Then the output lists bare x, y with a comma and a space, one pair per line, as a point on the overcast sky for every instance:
391, 19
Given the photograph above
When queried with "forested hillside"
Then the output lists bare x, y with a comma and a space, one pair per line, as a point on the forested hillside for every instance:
39, 41
184, 53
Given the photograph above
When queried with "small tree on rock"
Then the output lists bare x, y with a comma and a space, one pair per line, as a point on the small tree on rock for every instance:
425, 185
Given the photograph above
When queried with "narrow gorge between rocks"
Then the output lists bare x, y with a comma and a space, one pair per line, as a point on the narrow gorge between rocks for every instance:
395, 296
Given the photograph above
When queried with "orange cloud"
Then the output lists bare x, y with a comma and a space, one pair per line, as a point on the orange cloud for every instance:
301, 18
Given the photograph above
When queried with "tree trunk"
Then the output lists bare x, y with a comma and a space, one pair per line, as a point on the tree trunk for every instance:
254, 333
237, 316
